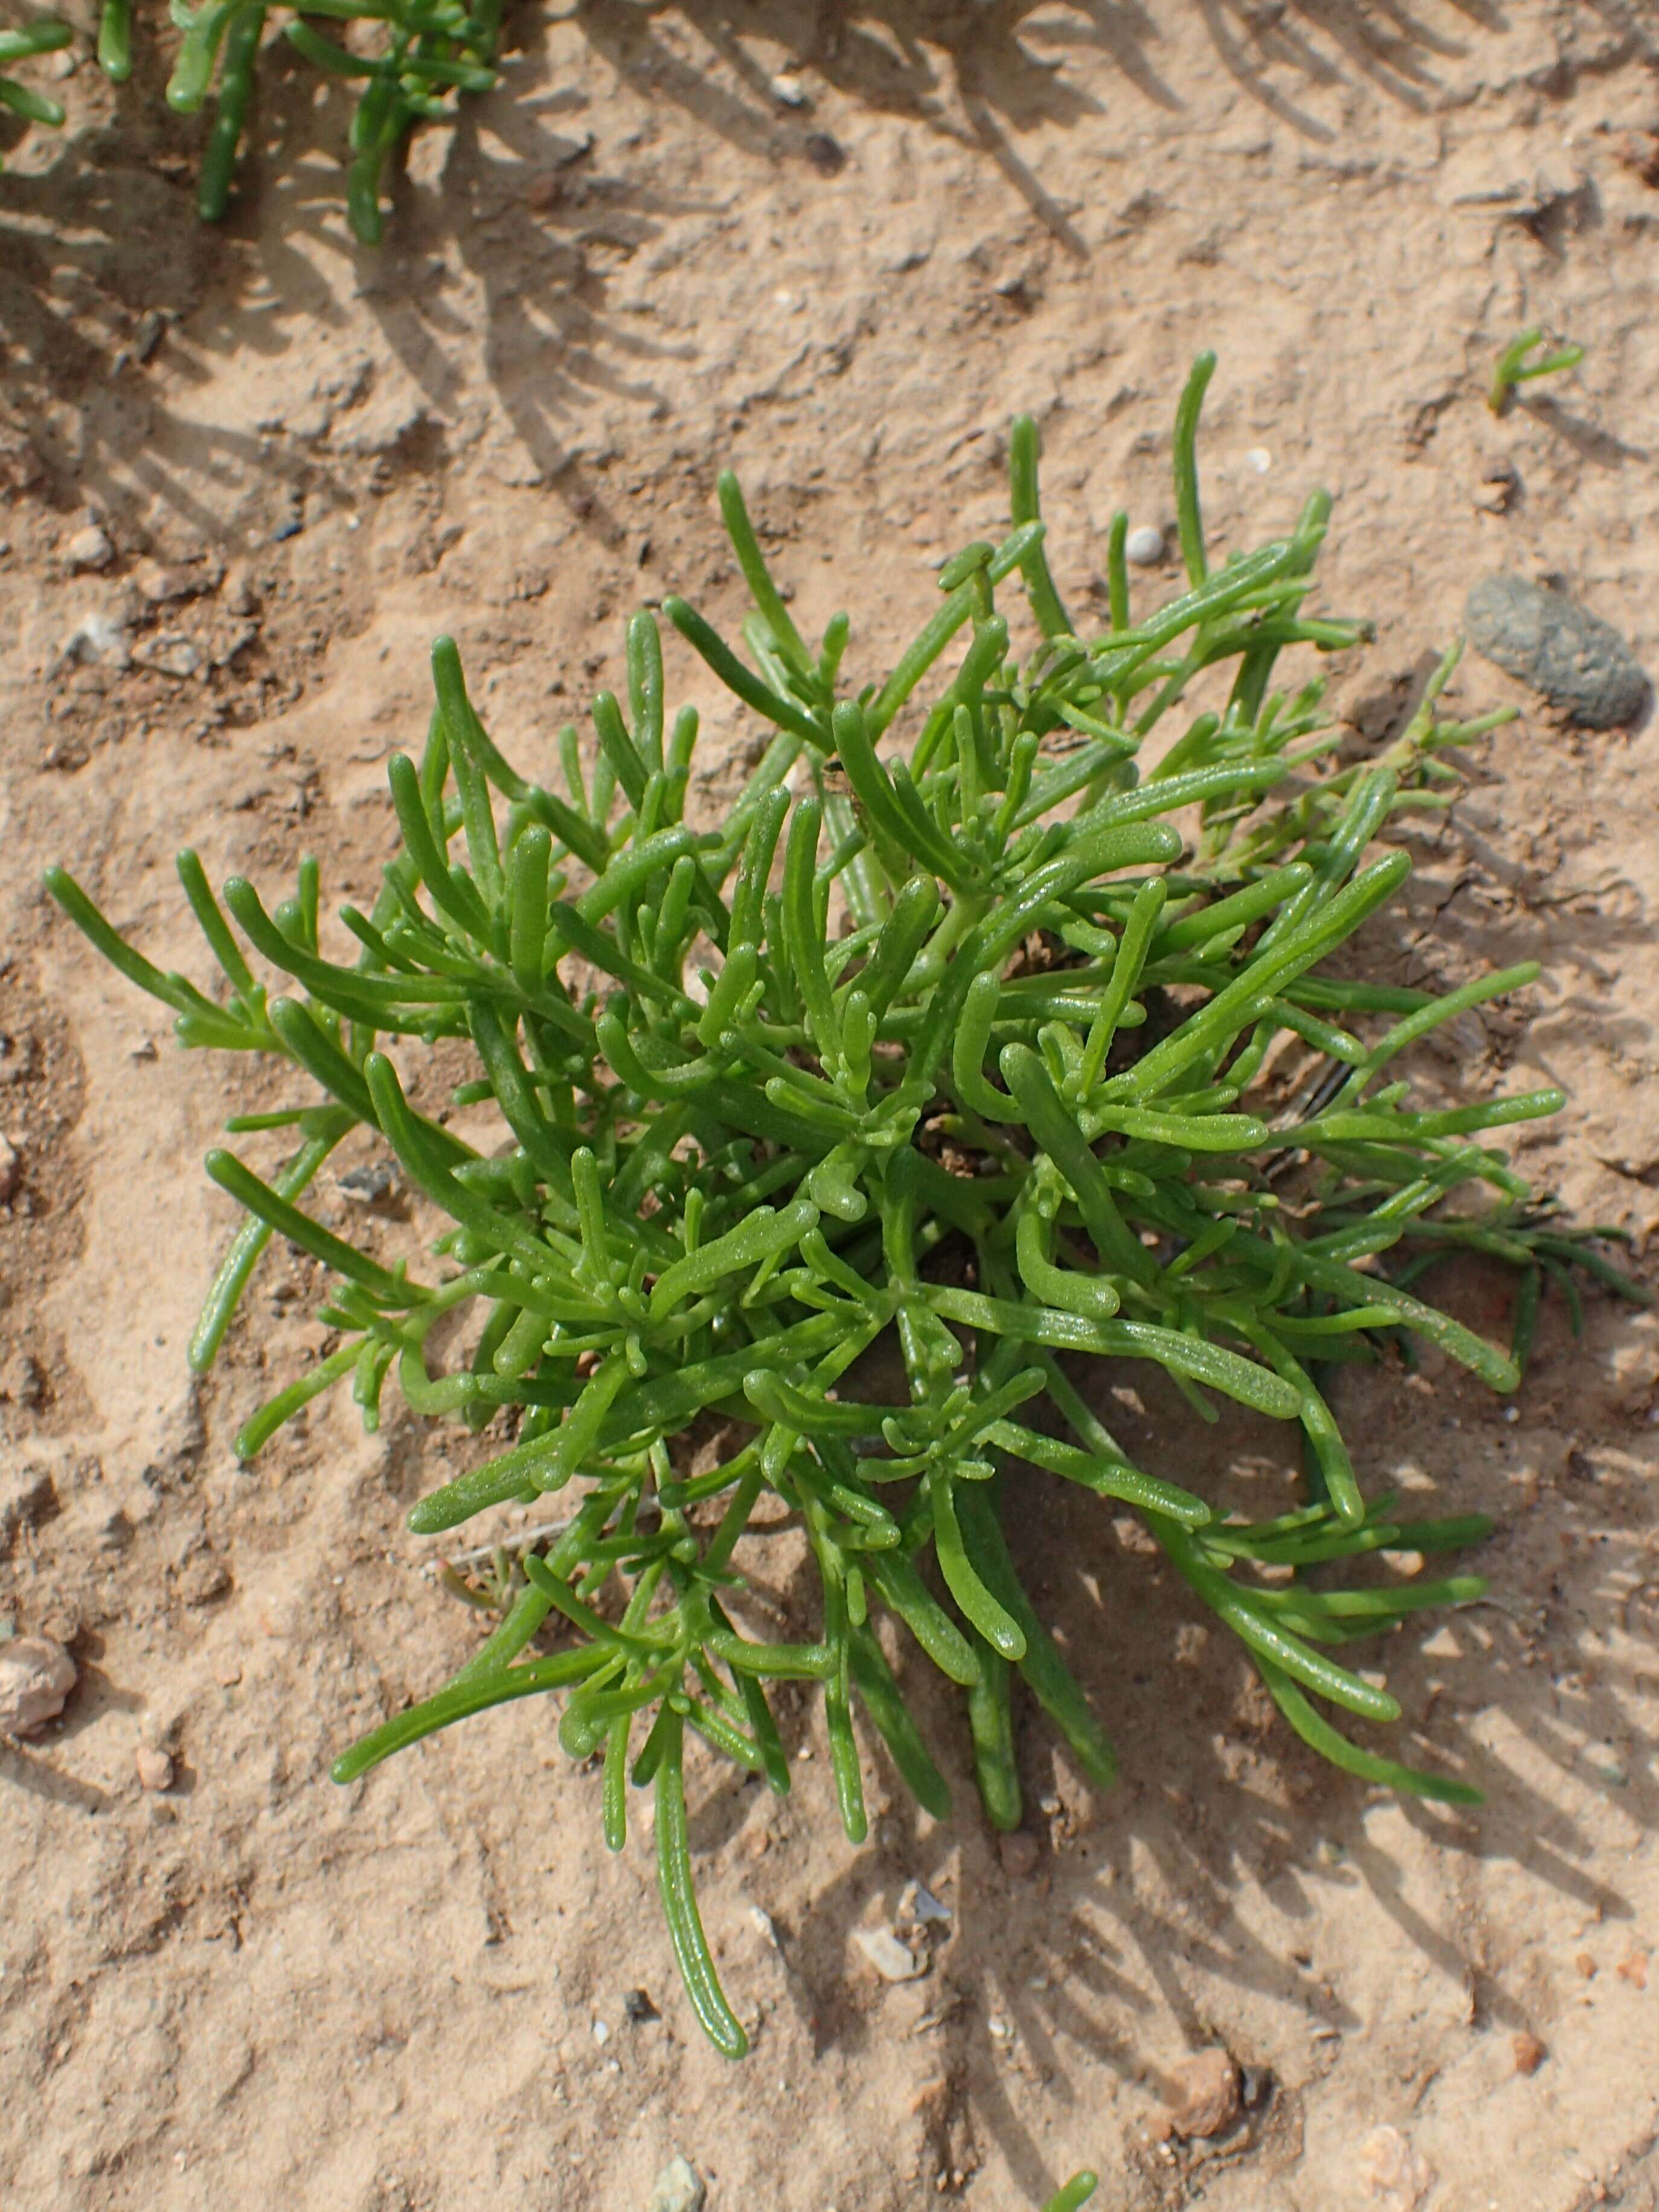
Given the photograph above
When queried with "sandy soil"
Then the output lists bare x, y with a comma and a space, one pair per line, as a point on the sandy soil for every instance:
634, 264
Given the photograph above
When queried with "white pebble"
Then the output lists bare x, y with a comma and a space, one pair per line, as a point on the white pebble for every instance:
884, 1952
1144, 546
155, 1768
1394, 2170
789, 91
679, 2188
89, 548
601, 2033
1259, 459
96, 637
36, 1676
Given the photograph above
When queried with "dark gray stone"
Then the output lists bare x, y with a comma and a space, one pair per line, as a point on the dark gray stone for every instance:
1578, 662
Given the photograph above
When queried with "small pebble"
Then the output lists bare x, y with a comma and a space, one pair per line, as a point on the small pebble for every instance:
97, 636
155, 1768
1634, 1969
1586, 1965
1256, 2087
1144, 546
917, 1902
789, 91
1203, 2094
1396, 2174
1578, 662
36, 1676
1529, 2053
883, 1951
170, 653
89, 548
827, 155
637, 2007
762, 1923
1018, 1853
159, 583
11, 1169
679, 2188
368, 1186
1259, 460
601, 2033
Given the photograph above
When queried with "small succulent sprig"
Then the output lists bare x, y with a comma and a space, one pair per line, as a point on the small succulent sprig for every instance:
429, 52
1513, 368
944, 1039
45, 36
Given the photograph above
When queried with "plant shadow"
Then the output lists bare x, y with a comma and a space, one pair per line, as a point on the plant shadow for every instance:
502, 226
978, 70
506, 224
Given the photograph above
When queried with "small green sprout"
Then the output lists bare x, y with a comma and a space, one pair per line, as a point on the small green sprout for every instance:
22, 46
1076, 2193
1512, 367
979, 1030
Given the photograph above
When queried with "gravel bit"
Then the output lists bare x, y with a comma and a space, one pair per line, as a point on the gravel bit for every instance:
679, 2188
155, 1768
885, 1955
1204, 2099
36, 1676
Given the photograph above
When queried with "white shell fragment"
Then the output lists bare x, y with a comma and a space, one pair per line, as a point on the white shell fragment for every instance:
884, 1952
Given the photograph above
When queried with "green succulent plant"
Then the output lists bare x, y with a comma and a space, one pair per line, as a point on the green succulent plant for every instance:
957, 1035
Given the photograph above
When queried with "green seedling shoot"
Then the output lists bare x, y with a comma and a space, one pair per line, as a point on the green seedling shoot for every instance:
1512, 367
